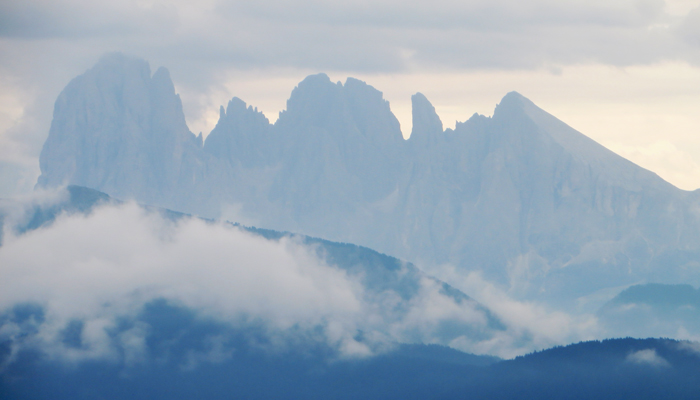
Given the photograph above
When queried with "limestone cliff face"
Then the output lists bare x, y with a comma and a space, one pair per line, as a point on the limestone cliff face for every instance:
118, 129
520, 196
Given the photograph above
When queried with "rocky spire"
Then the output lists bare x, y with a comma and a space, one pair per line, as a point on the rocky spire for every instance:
426, 122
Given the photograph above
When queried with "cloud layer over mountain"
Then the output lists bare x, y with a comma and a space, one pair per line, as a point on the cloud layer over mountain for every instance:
99, 269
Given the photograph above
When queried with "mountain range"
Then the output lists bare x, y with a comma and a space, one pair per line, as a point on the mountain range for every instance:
521, 198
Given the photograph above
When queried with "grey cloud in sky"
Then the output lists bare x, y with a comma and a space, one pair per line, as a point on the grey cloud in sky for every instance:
381, 36
37, 19
689, 29
488, 15
365, 36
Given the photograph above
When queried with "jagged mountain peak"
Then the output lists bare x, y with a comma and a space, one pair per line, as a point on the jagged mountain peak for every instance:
320, 78
317, 90
512, 105
353, 109
426, 122
236, 104
516, 109
119, 129
513, 96
162, 79
312, 100
237, 107
240, 135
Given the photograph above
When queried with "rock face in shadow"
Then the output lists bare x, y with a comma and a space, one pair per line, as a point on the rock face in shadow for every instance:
533, 204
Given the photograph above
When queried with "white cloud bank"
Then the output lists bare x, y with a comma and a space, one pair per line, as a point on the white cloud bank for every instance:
109, 264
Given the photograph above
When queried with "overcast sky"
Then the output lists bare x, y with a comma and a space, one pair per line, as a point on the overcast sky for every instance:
626, 73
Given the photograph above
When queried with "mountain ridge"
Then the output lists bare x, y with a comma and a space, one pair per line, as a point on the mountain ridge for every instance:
534, 205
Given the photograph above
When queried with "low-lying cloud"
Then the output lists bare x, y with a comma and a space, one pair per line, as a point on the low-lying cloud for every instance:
648, 357
542, 326
110, 263
89, 272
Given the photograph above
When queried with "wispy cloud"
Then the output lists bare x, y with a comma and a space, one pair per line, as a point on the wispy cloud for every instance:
648, 357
